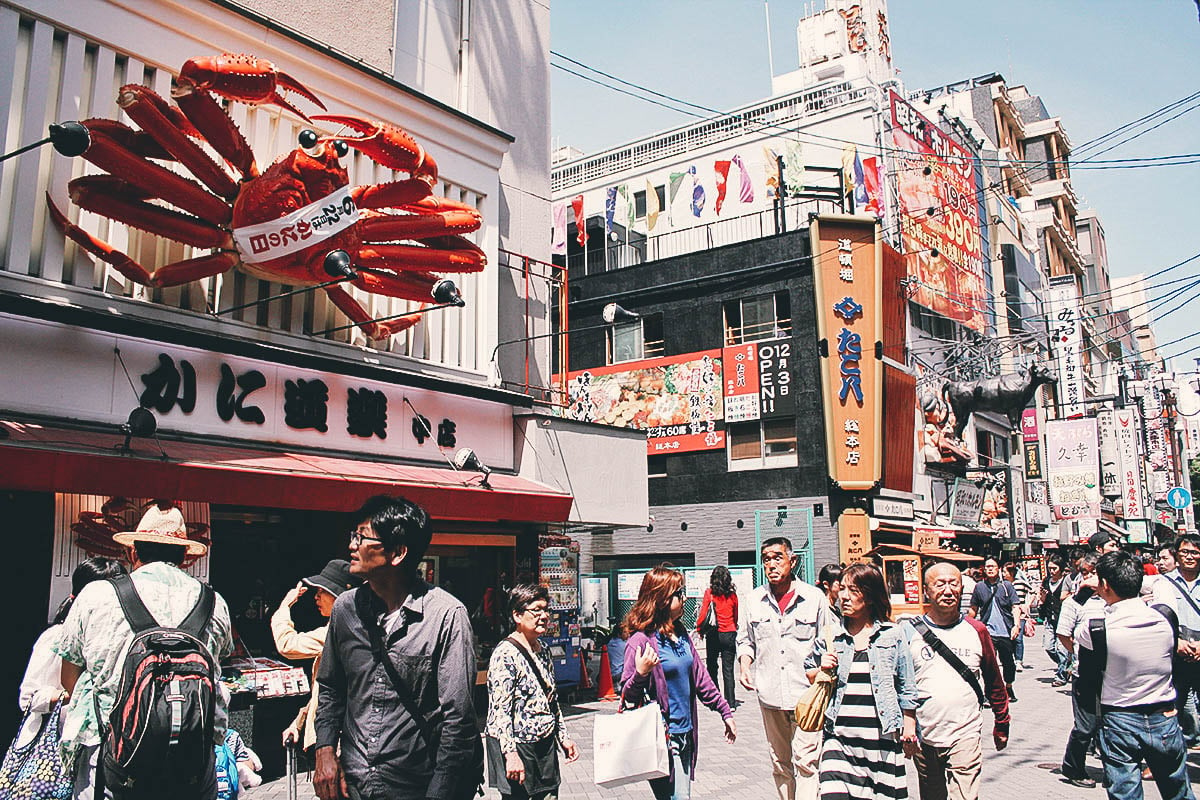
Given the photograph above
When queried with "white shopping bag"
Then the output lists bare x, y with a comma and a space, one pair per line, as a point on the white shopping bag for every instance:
630, 746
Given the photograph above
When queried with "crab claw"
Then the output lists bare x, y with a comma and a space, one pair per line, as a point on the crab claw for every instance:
243, 78
387, 145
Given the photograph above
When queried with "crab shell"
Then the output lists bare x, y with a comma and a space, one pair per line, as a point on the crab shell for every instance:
292, 182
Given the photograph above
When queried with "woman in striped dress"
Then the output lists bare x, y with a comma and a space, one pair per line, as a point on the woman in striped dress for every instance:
870, 724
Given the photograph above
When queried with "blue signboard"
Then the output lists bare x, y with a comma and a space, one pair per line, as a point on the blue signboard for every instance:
1179, 498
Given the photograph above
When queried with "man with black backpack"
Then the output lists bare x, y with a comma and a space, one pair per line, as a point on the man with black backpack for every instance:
957, 673
145, 722
397, 673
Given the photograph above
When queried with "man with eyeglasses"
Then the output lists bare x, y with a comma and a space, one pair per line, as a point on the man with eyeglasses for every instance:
397, 673
1185, 585
780, 622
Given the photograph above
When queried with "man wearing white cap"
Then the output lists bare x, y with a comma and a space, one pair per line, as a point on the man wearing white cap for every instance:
96, 637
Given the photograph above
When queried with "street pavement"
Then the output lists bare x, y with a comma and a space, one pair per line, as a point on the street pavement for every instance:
1041, 722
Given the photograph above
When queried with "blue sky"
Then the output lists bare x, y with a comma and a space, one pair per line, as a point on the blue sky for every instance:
1097, 64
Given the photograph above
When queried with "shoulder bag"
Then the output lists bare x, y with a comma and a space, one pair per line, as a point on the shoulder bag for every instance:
541, 757
810, 709
709, 623
34, 771
938, 646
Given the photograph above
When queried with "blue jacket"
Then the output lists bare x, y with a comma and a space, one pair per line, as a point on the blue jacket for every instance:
892, 679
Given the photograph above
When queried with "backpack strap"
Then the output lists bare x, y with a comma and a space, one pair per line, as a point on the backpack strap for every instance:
136, 614
198, 619
938, 646
551, 694
366, 615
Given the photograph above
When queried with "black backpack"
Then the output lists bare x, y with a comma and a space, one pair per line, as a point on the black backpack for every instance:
160, 732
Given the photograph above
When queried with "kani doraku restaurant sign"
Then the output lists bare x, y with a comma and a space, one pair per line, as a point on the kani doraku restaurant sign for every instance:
847, 267
78, 374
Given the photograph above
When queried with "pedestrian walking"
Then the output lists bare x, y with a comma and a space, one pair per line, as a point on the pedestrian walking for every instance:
41, 692
525, 727
870, 723
720, 642
395, 717
829, 581
956, 672
1050, 604
994, 602
1129, 652
661, 665
1077, 611
327, 585
1184, 583
969, 579
95, 641
1024, 586
782, 620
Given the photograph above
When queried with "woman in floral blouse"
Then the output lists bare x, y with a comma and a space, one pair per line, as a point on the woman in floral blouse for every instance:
524, 722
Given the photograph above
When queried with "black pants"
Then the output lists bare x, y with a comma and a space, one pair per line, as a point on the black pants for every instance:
1006, 650
723, 646
1186, 677
1086, 725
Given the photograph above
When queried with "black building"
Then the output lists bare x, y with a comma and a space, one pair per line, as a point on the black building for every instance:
753, 299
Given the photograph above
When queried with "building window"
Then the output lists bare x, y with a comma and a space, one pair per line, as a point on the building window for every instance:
992, 448
639, 201
762, 444
631, 341
753, 319
656, 466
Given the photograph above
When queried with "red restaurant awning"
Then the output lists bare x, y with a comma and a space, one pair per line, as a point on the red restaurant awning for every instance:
51, 459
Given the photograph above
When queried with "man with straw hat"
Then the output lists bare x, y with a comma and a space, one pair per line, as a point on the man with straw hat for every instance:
96, 637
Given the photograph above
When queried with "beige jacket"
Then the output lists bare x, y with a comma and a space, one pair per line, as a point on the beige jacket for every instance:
297, 646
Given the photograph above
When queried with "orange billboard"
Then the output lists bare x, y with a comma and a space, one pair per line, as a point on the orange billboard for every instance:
847, 273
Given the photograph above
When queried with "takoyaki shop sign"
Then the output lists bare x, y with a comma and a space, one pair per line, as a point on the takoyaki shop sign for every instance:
676, 400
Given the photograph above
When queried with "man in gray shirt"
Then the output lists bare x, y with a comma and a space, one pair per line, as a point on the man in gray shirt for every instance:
406, 726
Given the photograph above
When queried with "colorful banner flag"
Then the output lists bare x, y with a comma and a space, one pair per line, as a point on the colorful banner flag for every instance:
849, 155
558, 230
673, 183
721, 169
626, 212
580, 226
610, 208
652, 205
771, 170
746, 188
697, 194
873, 186
793, 168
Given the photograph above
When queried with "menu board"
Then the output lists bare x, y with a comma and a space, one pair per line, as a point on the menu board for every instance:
559, 573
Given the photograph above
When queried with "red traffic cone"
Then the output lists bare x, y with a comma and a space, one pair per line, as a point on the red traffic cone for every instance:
605, 690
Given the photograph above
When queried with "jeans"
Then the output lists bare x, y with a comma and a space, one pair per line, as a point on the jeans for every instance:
677, 786
722, 646
1055, 650
1081, 736
1019, 647
1129, 737
1004, 651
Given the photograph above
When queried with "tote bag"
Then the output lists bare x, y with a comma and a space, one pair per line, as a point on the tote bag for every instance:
630, 746
35, 771
810, 709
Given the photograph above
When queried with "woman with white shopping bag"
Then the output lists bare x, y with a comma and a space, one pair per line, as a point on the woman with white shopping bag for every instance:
525, 727
662, 666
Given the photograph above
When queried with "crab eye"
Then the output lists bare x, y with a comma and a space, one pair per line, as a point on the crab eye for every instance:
341, 148
307, 139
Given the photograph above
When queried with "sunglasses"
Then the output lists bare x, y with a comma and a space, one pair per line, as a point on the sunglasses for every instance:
680, 593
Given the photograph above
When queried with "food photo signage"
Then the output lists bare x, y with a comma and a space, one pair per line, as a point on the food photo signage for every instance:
676, 400
939, 217
758, 380
847, 269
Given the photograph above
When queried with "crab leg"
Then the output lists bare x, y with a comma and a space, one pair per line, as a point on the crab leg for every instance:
160, 120
393, 283
168, 275
112, 197
358, 315
241, 77
219, 131
466, 257
108, 154
137, 142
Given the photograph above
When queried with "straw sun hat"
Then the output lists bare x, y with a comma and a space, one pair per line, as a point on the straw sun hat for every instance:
164, 526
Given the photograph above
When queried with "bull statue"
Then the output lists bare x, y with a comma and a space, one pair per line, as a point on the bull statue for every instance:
1008, 394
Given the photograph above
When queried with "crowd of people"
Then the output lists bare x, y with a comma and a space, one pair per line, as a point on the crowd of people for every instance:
126, 677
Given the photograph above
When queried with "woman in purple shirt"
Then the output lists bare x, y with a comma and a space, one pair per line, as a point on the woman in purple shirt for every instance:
661, 665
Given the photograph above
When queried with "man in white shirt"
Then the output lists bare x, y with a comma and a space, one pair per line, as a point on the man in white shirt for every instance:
1076, 610
775, 635
948, 706
1184, 598
1138, 721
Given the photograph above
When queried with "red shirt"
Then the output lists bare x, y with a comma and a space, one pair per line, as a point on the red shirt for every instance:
727, 611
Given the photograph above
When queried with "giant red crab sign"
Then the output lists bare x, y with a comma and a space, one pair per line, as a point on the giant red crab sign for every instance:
298, 222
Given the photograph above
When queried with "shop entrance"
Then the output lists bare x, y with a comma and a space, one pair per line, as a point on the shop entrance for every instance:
28, 550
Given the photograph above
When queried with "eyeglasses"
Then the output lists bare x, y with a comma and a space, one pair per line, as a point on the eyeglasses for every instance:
1190, 553
356, 539
541, 611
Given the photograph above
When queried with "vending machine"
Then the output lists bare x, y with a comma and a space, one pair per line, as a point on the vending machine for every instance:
559, 573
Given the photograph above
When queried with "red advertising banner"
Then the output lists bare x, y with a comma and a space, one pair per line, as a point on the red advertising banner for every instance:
676, 400
939, 217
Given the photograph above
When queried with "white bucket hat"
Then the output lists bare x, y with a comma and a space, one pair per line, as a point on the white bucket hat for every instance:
164, 526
